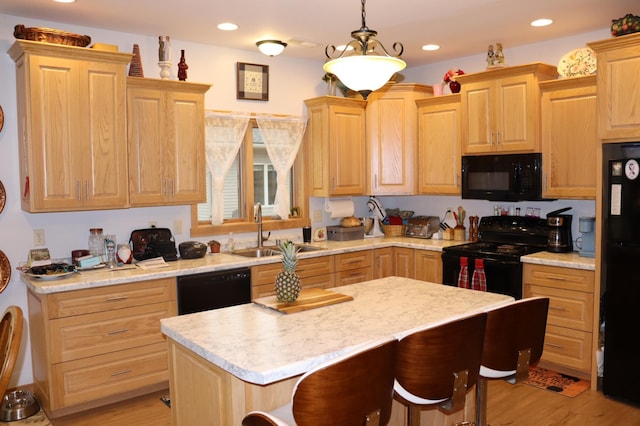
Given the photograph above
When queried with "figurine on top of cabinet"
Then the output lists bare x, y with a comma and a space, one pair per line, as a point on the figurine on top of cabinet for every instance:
499, 55
491, 56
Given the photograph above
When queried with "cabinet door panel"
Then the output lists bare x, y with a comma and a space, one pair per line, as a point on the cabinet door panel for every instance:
105, 165
186, 147
439, 146
515, 118
56, 121
569, 120
147, 180
479, 122
347, 154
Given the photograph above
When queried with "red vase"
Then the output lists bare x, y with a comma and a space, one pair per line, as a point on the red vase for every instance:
454, 86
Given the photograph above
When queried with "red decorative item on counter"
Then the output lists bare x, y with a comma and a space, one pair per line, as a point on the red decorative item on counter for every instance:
463, 277
479, 280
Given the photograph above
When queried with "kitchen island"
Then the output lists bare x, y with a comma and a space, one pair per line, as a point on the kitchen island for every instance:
226, 362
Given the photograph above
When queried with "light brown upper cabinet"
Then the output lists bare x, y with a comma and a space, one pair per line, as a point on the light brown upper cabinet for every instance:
501, 108
438, 169
618, 87
166, 142
72, 127
569, 137
392, 137
336, 146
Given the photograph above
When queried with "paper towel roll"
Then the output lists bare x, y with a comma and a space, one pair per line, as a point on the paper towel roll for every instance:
339, 208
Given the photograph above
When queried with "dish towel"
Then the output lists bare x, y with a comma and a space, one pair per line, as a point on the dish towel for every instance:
463, 277
479, 280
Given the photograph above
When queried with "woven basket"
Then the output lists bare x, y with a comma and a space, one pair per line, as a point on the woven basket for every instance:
393, 230
49, 35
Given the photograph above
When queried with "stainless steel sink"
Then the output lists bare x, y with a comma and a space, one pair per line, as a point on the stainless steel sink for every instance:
258, 252
273, 251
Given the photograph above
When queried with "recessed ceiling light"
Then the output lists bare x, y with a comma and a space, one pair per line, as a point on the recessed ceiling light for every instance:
65, 1
541, 22
227, 26
430, 47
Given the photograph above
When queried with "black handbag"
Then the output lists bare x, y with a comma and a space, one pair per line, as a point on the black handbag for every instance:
153, 242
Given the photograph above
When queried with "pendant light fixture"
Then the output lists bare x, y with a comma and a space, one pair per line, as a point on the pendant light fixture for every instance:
359, 66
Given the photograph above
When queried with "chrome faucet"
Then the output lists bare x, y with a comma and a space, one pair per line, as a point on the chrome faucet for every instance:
258, 219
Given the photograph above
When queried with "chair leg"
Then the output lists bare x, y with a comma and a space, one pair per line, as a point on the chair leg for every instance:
413, 415
481, 402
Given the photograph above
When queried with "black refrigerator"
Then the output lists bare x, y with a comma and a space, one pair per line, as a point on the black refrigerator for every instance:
621, 376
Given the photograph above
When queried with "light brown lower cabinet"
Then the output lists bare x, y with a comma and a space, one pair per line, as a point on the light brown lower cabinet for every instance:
568, 345
315, 272
428, 266
354, 267
101, 345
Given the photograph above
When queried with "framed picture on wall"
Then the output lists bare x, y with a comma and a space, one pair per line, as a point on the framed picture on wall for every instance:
253, 82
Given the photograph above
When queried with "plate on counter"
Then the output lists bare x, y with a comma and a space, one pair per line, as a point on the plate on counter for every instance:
578, 63
49, 277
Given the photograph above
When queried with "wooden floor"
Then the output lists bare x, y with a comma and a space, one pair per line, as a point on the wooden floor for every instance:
520, 405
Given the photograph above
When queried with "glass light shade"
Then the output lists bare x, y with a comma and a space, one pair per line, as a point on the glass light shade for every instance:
364, 72
271, 47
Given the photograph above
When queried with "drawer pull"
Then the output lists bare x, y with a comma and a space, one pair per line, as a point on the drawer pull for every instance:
120, 373
124, 330
554, 346
556, 278
116, 298
557, 308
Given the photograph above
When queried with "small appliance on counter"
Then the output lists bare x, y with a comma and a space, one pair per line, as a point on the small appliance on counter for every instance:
377, 215
586, 225
559, 239
341, 233
423, 226
192, 249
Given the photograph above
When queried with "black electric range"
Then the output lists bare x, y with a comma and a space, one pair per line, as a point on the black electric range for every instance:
502, 240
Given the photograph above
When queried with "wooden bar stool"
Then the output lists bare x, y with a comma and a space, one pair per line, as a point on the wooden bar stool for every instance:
437, 365
513, 341
10, 337
354, 389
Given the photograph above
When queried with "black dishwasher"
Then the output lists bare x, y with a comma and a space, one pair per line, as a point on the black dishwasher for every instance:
213, 290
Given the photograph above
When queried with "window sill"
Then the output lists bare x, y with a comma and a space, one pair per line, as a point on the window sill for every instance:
204, 229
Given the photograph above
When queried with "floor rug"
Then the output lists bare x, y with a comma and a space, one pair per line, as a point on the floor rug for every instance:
561, 384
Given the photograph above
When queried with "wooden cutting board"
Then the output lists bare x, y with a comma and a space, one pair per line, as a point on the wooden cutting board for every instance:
310, 298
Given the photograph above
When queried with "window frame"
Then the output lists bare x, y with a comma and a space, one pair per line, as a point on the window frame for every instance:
246, 222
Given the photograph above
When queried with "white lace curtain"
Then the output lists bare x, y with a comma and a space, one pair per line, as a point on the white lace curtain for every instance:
224, 135
282, 137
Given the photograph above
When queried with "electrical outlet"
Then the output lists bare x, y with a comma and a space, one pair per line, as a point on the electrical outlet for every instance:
177, 227
152, 223
317, 215
38, 237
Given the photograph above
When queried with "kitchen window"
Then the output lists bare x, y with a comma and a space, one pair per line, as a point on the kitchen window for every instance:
251, 179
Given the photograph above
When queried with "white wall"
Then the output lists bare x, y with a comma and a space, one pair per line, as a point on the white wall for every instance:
291, 81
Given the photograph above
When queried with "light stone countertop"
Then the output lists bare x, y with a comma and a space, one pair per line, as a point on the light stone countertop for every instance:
223, 261
565, 260
260, 345
218, 262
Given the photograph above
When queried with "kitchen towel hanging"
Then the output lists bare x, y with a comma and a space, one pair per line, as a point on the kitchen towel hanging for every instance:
339, 208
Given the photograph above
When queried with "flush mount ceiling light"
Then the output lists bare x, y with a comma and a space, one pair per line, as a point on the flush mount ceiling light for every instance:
359, 66
271, 47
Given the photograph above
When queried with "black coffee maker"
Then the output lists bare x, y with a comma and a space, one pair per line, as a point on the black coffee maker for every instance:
559, 239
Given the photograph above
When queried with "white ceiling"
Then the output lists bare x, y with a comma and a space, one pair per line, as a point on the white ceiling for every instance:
460, 27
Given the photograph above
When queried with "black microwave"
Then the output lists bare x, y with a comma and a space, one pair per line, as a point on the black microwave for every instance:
502, 177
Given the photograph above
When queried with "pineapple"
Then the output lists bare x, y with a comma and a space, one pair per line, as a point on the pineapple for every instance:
288, 281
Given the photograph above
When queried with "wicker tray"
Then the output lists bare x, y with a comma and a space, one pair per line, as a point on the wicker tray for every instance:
49, 35
393, 230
